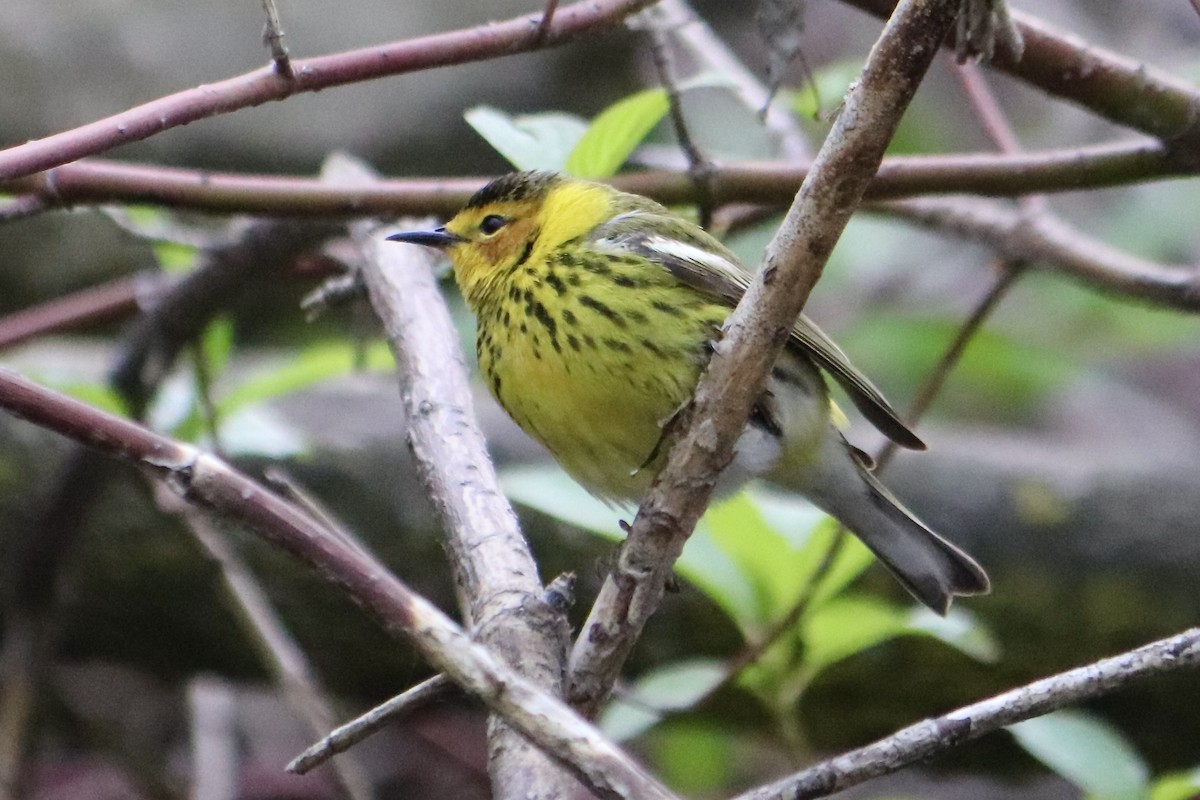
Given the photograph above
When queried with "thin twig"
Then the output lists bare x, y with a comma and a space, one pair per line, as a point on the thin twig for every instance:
22, 206
559, 594
543, 27
104, 303
698, 166
273, 39
692, 32
933, 737
365, 725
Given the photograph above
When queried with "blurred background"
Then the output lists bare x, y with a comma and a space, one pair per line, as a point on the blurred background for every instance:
1064, 450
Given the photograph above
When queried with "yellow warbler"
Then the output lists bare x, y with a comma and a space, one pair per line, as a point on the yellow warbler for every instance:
596, 311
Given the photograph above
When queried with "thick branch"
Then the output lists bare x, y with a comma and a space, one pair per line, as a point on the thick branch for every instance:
207, 481
933, 736
488, 41
494, 569
754, 336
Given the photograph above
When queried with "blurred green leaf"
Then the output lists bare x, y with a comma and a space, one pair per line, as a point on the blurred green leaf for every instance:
529, 141
847, 625
822, 95
670, 688
693, 757
174, 257
793, 516
546, 488
960, 629
99, 395
311, 366
1176, 786
1087, 752
768, 560
1001, 375
615, 133
217, 344
256, 431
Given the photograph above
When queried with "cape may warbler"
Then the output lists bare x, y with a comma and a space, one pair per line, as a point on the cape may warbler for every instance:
596, 313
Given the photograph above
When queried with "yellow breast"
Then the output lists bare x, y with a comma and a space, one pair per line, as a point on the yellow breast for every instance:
592, 356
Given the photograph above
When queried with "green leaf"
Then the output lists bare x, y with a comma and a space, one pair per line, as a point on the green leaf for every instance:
311, 366
694, 757
960, 629
669, 689
847, 625
530, 141
1176, 786
101, 396
794, 516
825, 91
217, 345
768, 561
1087, 752
546, 488
615, 133
174, 257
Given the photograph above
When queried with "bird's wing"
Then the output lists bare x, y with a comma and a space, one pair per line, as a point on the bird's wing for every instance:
700, 261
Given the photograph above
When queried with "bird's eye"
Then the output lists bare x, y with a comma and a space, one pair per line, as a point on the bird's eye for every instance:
492, 223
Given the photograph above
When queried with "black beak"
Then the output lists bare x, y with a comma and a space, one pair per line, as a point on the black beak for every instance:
439, 238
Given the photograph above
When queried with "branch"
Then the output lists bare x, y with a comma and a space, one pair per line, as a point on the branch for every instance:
1110, 85
286, 662
113, 300
494, 569
754, 336
932, 737
488, 41
207, 481
770, 182
1053, 245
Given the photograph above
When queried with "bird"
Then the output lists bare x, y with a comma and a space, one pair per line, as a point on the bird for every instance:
597, 311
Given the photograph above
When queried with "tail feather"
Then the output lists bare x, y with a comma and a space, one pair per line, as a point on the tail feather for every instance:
932, 569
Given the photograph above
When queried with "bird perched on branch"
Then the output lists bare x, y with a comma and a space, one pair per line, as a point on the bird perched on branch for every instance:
596, 312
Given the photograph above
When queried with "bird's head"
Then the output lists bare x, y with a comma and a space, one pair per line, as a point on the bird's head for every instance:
515, 220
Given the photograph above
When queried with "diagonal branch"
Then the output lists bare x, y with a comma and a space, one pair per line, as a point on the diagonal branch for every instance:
934, 736
754, 336
488, 41
207, 481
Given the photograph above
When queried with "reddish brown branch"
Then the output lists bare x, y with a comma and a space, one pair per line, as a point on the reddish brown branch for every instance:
1108, 84
108, 301
310, 75
772, 183
207, 481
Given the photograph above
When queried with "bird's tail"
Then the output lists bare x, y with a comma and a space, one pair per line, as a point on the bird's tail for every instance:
931, 568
